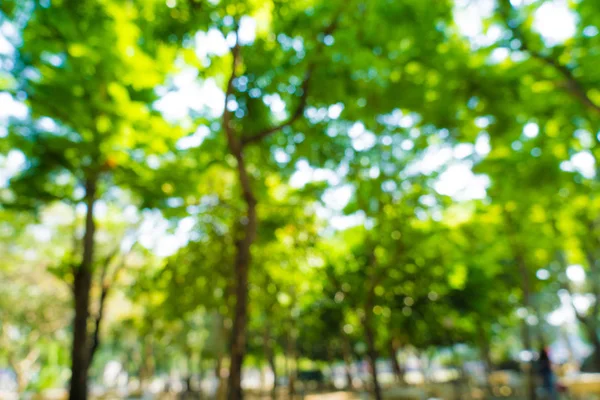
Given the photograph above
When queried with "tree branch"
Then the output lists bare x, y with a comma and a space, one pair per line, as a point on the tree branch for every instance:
304, 88
106, 286
573, 85
231, 138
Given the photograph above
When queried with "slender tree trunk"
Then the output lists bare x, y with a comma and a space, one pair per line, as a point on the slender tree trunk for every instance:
20, 375
81, 294
270, 356
274, 371
293, 363
458, 382
147, 362
347, 361
592, 320
22, 382
371, 349
221, 392
596, 344
243, 244
523, 271
591, 330
242, 264
21, 366
398, 372
526, 336
484, 349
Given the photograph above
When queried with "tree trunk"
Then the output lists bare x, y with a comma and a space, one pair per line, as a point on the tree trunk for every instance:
371, 350
347, 361
526, 335
596, 344
274, 370
523, 271
591, 330
242, 264
220, 393
20, 375
147, 364
81, 294
292, 370
270, 356
484, 349
395, 364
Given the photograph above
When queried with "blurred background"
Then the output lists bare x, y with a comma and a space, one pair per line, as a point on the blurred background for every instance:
312, 199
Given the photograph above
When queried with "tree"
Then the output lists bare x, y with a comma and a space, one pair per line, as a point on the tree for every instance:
89, 95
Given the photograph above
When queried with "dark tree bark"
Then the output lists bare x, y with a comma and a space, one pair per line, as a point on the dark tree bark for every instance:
274, 370
236, 144
105, 286
81, 295
243, 246
347, 352
523, 271
146, 370
370, 336
293, 356
398, 372
589, 321
484, 349
270, 356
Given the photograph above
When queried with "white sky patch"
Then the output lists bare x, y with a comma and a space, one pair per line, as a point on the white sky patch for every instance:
337, 198
9, 107
582, 302
40, 233
400, 119
8, 34
47, 124
555, 21
542, 274
582, 162
564, 314
191, 94
361, 138
586, 139
6, 48
498, 55
305, 174
469, 16
576, 273
335, 110
154, 234
460, 183
434, 158
193, 140
281, 156
531, 130
356, 130
247, 31
276, 104
463, 150
210, 43
342, 222
10, 165
364, 141
482, 144
100, 209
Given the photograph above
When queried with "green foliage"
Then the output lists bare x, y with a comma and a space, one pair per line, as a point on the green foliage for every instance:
377, 101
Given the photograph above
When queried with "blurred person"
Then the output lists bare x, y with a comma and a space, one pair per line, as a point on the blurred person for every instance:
548, 378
